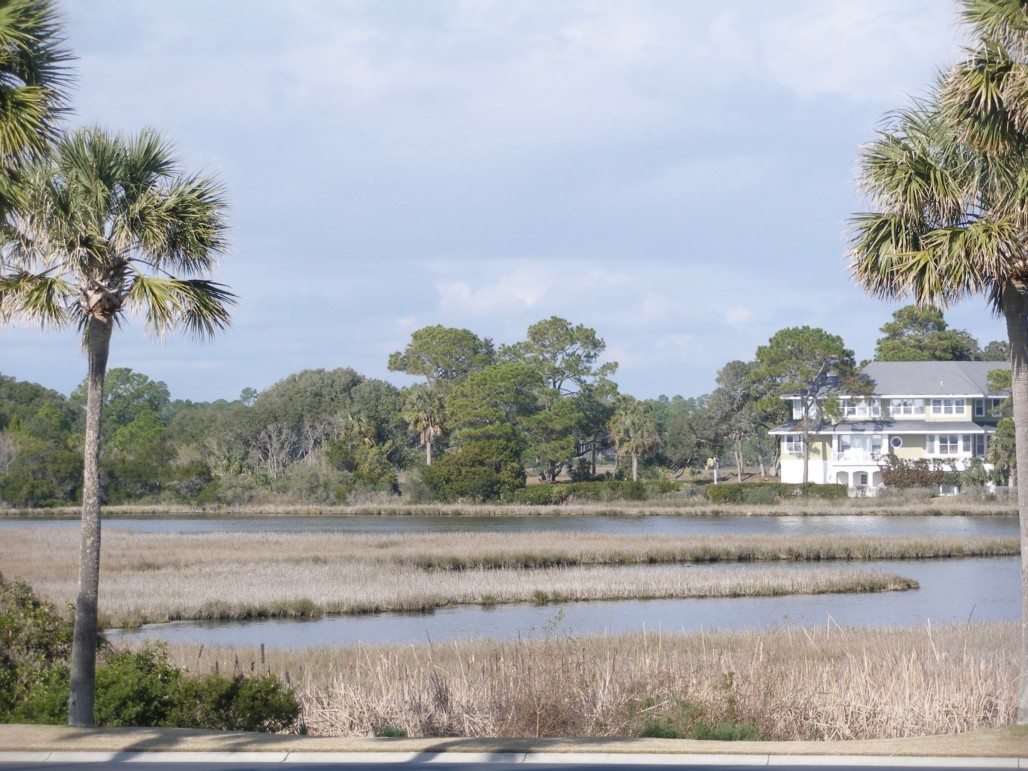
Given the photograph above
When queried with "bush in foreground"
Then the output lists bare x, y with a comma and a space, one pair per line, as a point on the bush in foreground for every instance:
133, 688
142, 688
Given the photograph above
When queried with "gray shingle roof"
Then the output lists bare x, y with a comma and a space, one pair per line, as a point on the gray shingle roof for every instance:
932, 378
894, 427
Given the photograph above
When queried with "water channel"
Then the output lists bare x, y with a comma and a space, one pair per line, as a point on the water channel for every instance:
857, 524
952, 591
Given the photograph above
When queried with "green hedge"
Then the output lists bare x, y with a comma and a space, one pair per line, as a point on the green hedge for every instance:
133, 688
610, 490
759, 493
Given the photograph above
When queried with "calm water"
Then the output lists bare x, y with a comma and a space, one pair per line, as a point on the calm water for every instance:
951, 590
619, 525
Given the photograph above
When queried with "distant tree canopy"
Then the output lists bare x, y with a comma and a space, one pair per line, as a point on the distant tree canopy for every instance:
544, 406
566, 356
920, 333
443, 355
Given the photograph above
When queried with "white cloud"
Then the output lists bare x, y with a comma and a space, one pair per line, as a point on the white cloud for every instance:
672, 168
872, 50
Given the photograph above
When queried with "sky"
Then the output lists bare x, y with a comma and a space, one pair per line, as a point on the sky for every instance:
675, 174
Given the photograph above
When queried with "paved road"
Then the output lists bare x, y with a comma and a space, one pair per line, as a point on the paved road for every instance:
466, 762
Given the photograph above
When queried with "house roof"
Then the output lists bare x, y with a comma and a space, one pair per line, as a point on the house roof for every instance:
932, 378
893, 427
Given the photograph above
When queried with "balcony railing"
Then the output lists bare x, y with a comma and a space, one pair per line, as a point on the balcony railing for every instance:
856, 456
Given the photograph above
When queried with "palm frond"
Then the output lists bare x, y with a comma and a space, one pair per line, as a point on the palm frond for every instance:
879, 243
903, 171
35, 297
33, 78
147, 161
934, 277
974, 257
974, 98
198, 306
1002, 21
194, 233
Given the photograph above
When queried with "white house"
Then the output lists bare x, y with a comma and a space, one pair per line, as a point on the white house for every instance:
918, 409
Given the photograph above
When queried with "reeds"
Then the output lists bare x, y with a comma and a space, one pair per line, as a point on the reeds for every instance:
672, 505
824, 683
150, 577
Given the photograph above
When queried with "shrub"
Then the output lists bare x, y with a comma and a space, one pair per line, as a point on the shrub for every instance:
760, 495
142, 688
35, 641
482, 470
725, 731
919, 472
608, 490
133, 688
390, 732
233, 704
541, 495
770, 492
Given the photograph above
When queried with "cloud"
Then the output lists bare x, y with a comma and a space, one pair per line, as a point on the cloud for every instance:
873, 50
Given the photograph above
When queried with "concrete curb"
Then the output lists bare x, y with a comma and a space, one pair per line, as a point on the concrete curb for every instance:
1000, 747
526, 758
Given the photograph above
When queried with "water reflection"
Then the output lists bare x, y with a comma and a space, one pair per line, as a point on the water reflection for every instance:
951, 591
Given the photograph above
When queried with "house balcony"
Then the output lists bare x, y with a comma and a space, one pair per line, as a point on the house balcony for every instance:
856, 457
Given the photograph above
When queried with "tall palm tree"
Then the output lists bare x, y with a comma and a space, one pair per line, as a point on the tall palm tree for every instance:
107, 221
33, 77
423, 410
635, 433
948, 181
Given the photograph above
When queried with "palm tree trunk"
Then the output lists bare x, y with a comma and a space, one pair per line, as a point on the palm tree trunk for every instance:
83, 647
635, 467
428, 452
1015, 311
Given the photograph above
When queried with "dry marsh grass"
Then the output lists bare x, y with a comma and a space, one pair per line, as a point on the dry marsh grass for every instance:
151, 577
673, 505
824, 683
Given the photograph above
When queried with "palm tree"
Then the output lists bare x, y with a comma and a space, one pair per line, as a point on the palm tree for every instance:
33, 75
107, 220
423, 411
948, 179
635, 433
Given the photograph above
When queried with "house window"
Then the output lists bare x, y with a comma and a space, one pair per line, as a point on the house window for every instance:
948, 406
859, 443
794, 444
907, 406
979, 408
896, 442
979, 445
945, 444
862, 479
996, 407
860, 408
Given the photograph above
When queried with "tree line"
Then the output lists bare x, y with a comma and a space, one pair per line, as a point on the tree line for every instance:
484, 421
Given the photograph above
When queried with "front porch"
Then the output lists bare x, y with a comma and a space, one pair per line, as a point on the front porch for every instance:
860, 481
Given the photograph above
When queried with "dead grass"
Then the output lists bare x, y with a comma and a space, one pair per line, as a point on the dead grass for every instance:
672, 505
791, 684
150, 577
